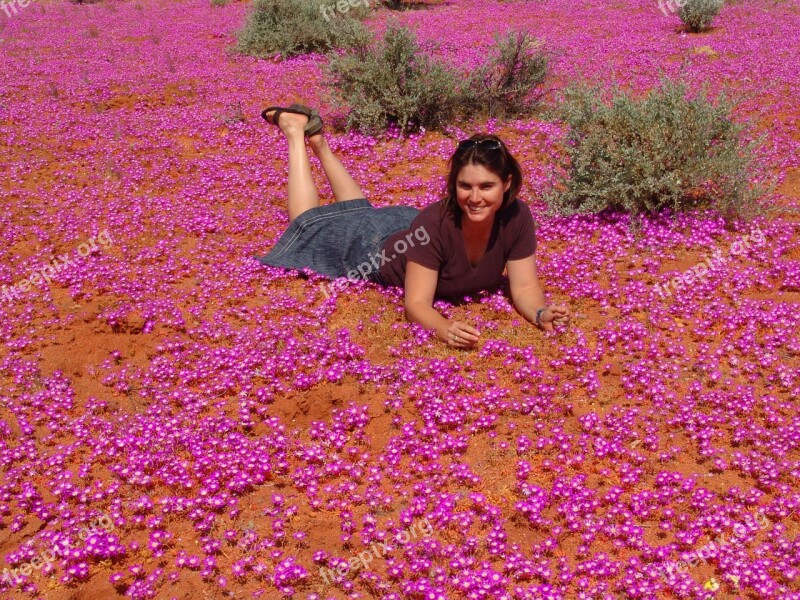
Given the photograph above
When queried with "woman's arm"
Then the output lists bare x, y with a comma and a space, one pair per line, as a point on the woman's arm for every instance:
420, 289
528, 296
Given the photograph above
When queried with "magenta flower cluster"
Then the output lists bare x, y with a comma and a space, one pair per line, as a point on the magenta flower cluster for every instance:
243, 428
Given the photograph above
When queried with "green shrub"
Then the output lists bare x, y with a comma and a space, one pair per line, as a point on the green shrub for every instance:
697, 15
291, 27
510, 82
391, 81
219, 2
663, 151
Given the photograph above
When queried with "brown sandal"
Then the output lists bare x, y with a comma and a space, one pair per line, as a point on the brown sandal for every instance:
313, 126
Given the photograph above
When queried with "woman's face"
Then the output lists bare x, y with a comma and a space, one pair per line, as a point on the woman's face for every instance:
479, 193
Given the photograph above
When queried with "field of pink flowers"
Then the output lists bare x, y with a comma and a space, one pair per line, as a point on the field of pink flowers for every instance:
178, 421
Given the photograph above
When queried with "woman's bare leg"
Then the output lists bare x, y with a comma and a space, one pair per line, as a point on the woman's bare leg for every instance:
343, 185
301, 191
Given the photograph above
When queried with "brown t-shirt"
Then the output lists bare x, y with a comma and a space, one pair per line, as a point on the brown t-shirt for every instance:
438, 243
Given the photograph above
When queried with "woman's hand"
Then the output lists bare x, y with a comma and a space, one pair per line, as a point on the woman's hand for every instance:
462, 335
420, 288
557, 314
528, 296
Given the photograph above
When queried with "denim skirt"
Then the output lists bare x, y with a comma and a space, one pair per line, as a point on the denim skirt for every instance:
335, 239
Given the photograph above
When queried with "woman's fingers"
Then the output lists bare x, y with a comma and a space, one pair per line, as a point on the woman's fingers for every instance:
462, 335
463, 338
558, 314
458, 341
469, 332
565, 315
466, 330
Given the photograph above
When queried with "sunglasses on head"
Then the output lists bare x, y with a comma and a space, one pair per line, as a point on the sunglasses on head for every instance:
485, 144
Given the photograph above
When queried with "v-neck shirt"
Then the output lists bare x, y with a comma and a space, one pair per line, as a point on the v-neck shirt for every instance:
437, 242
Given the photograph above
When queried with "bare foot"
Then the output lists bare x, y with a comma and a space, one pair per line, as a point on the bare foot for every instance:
317, 142
290, 123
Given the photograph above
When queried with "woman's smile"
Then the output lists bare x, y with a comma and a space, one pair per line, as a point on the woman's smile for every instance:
479, 193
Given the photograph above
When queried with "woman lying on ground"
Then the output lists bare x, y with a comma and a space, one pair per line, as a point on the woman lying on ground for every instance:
452, 248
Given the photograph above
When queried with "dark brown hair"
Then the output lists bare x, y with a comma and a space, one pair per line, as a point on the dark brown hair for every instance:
500, 162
